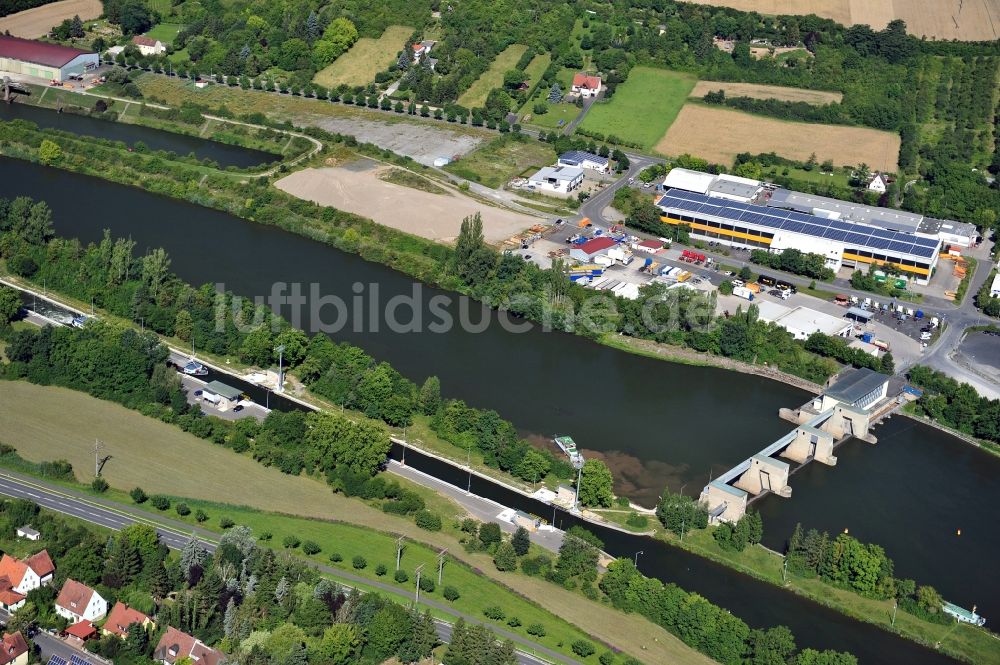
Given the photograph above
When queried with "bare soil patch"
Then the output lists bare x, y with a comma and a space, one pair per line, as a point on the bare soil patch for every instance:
718, 135
433, 216
759, 91
37, 21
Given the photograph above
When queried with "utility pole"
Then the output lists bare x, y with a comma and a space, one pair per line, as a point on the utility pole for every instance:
281, 377
399, 550
784, 569
579, 477
468, 465
98, 445
416, 596
682, 529
637, 557
441, 563
895, 604
403, 463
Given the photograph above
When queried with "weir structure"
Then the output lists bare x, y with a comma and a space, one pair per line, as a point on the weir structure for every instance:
848, 407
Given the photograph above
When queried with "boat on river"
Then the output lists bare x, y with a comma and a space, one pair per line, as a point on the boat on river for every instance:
964, 615
194, 368
568, 446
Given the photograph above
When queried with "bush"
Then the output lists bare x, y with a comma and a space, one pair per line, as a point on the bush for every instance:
359, 562
311, 547
536, 629
138, 495
159, 502
401, 576
336, 557
606, 658
99, 485
636, 520
226, 523
494, 612
182, 509
381, 570
513, 622
583, 648
427, 583
451, 593
291, 542
200, 515
428, 520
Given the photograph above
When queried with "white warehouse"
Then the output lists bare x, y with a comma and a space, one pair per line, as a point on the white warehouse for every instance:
558, 179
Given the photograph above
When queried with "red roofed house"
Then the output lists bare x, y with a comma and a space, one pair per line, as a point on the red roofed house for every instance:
591, 249
421, 49
42, 60
175, 645
77, 602
587, 86
80, 632
149, 46
121, 617
18, 577
651, 246
14, 650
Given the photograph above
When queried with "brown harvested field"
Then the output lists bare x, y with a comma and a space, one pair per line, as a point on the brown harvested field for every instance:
37, 21
759, 91
718, 135
356, 187
969, 20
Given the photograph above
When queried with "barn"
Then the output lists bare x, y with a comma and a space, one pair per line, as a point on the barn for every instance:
40, 59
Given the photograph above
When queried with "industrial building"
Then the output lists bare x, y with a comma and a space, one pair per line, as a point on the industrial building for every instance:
42, 60
860, 387
758, 226
802, 322
559, 179
585, 160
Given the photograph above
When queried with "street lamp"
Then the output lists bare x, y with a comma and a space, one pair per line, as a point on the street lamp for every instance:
281, 378
637, 557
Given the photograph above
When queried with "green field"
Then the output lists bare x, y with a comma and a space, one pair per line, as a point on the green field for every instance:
496, 162
550, 120
492, 77
165, 32
642, 108
365, 59
537, 67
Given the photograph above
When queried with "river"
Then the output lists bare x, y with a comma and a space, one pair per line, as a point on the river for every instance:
154, 139
657, 422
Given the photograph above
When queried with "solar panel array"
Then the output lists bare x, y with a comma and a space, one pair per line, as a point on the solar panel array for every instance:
74, 659
868, 237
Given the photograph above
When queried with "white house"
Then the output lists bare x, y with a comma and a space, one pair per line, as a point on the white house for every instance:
878, 184
420, 49
585, 160
27, 532
586, 86
77, 602
148, 46
560, 179
23, 576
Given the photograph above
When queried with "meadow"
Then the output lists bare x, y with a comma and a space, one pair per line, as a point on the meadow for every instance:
365, 59
492, 77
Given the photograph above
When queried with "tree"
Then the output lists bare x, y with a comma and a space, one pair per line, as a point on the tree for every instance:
489, 533
183, 325
387, 630
596, 485
339, 644
49, 152
534, 466
430, 395
505, 558
521, 541
341, 32
745, 273
473, 260
555, 94
10, 305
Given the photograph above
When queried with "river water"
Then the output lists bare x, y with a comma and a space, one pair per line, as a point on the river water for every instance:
154, 139
655, 422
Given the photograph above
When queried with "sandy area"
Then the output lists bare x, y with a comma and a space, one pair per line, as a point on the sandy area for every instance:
37, 22
759, 91
718, 135
971, 20
433, 216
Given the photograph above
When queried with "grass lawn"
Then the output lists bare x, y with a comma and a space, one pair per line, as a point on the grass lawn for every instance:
365, 59
559, 115
165, 32
496, 162
537, 67
492, 77
643, 107
839, 176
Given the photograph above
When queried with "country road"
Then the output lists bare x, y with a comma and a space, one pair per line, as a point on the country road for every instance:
176, 534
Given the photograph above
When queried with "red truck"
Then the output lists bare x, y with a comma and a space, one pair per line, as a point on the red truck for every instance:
689, 256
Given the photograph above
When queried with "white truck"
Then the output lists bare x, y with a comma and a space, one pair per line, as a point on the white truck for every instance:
743, 292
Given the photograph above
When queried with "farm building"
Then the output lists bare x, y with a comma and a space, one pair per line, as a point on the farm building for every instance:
42, 60
803, 321
591, 249
149, 46
561, 179
760, 227
586, 86
585, 160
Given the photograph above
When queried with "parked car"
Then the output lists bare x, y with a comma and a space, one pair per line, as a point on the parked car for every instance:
198, 393
237, 408
925, 335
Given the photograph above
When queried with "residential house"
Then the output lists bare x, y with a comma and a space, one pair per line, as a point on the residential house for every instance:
420, 49
559, 179
27, 532
175, 645
878, 183
121, 617
77, 602
585, 160
14, 650
23, 576
148, 46
586, 85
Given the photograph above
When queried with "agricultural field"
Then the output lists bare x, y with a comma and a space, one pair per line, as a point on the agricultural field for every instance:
537, 67
643, 107
365, 59
758, 91
940, 19
492, 77
718, 135
36, 22
165, 32
503, 158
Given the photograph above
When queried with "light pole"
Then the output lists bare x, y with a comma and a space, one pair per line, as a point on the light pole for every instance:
404, 447
441, 564
468, 465
895, 604
281, 378
579, 478
399, 550
416, 597
784, 569
637, 557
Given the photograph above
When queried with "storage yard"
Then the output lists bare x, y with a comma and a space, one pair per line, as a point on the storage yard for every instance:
718, 135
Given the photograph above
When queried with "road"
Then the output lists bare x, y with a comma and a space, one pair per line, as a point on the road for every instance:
176, 534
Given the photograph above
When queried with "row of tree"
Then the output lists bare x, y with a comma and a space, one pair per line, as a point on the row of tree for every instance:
794, 261
955, 404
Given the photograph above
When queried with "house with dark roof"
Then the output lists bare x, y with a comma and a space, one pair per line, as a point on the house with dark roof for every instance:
77, 601
585, 160
175, 645
121, 617
860, 388
30, 57
13, 649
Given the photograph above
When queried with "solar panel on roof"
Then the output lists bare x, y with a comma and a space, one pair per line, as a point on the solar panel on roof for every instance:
56, 660
78, 660
883, 233
793, 226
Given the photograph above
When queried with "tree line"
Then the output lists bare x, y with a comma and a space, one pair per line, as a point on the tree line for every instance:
956, 405
794, 261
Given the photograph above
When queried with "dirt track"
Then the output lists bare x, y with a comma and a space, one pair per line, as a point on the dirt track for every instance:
357, 188
758, 91
718, 135
37, 22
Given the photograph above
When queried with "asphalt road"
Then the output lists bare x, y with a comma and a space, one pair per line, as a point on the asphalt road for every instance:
175, 534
